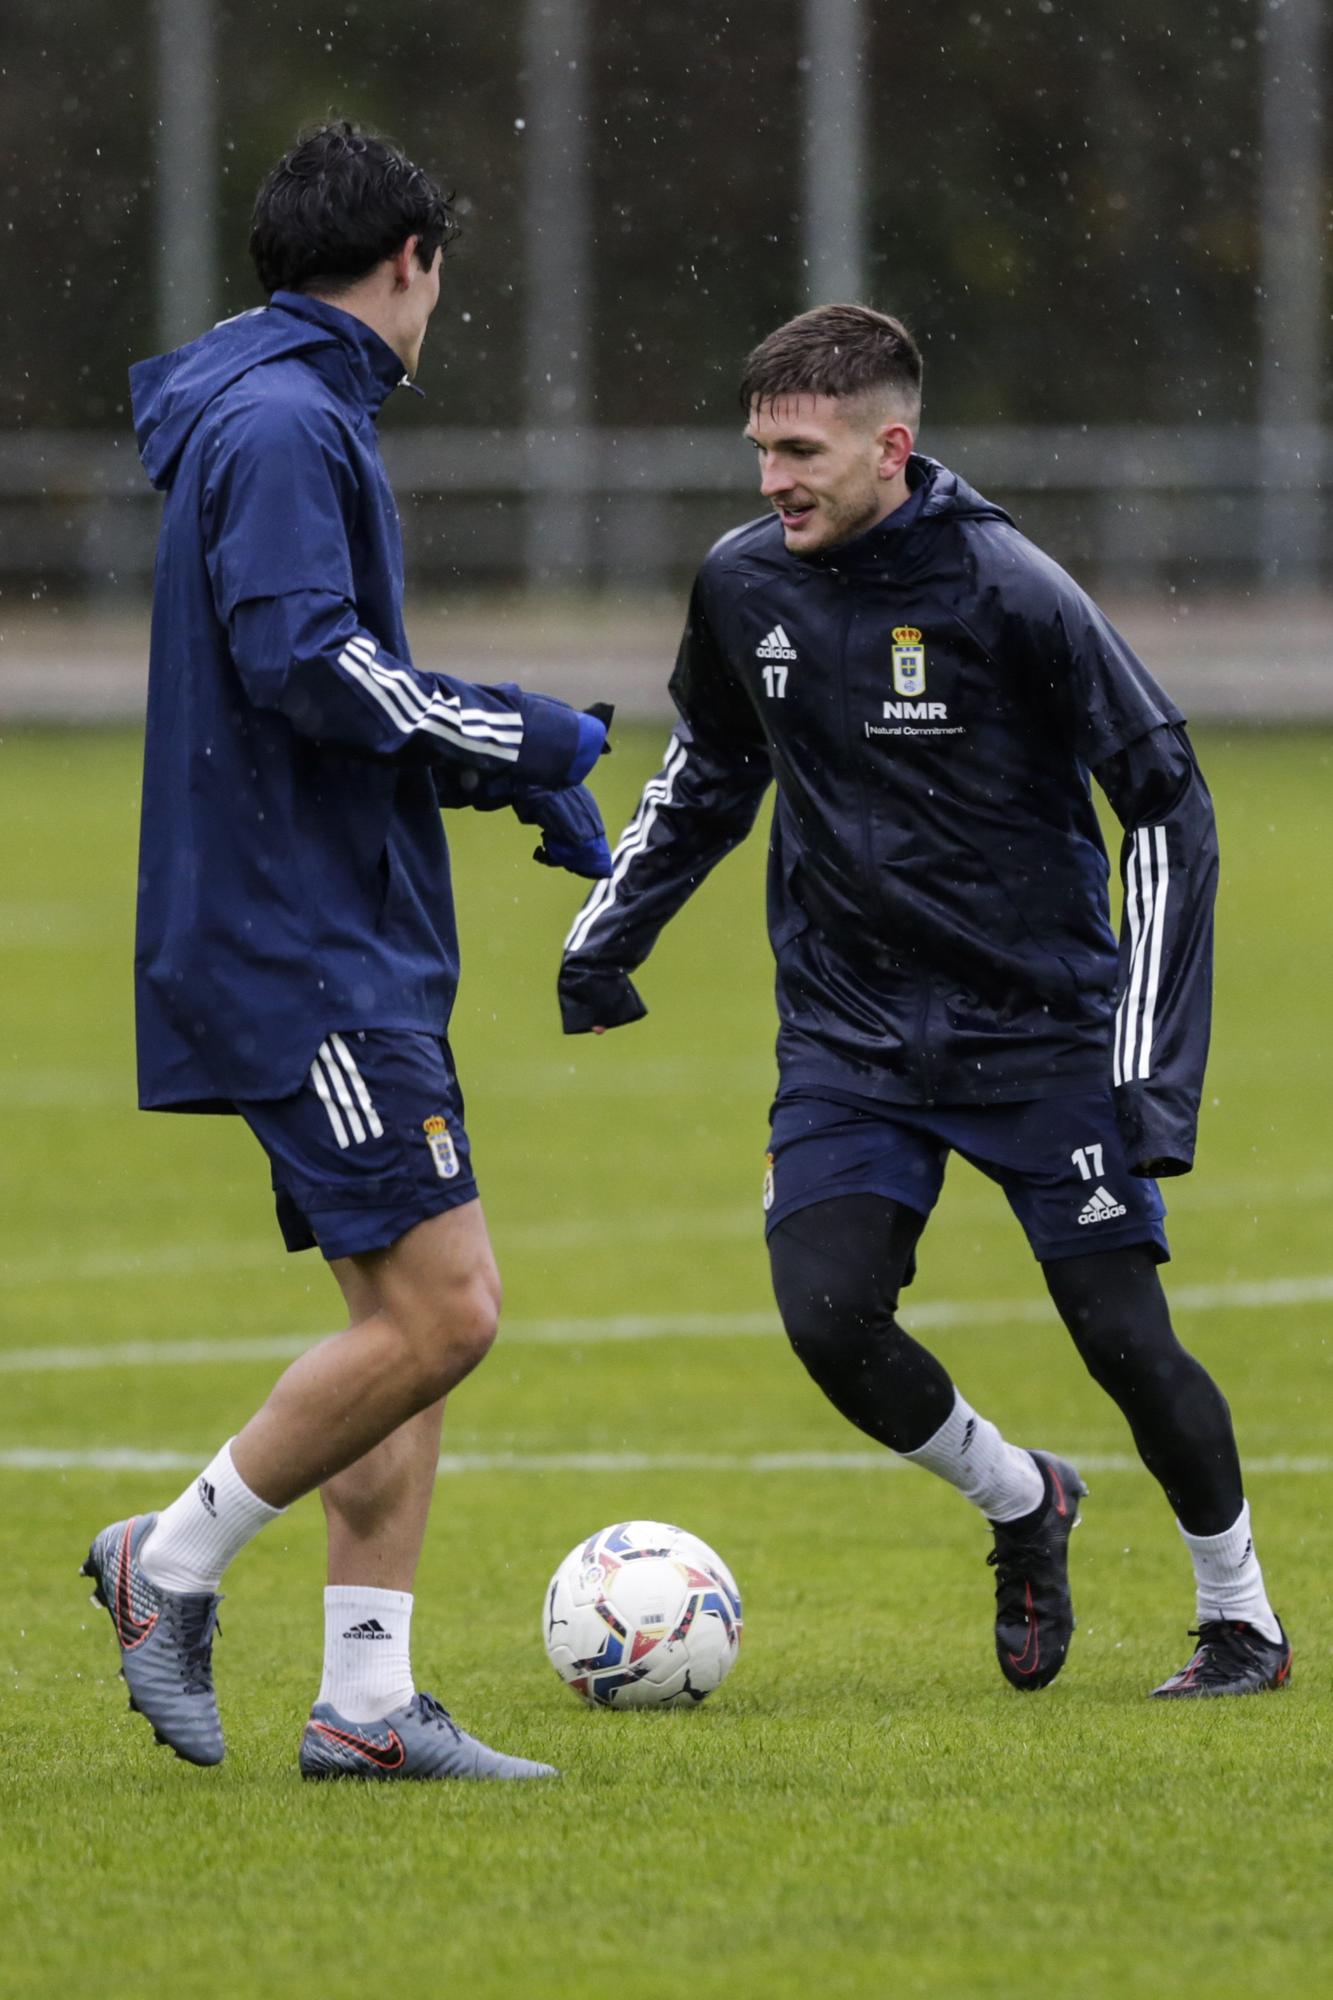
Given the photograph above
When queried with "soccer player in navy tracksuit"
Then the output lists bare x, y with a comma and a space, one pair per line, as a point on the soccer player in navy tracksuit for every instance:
928, 692
297, 958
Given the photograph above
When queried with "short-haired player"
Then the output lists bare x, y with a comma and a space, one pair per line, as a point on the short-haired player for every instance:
927, 691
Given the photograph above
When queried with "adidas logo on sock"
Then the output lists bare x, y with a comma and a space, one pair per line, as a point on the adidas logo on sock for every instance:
372, 1629
1103, 1207
969, 1432
777, 646
208, 1497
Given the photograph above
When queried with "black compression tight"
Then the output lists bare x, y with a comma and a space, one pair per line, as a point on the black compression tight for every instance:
1116, 1312
837, 1271
838, 1267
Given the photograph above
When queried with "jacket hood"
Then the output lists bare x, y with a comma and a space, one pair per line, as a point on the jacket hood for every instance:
170, 392
947, 493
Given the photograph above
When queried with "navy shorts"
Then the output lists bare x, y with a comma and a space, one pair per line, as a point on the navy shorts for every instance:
1059, 1160
371, 1144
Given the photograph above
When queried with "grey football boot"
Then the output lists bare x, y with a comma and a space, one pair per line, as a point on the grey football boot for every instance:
421, 1740
166, 1643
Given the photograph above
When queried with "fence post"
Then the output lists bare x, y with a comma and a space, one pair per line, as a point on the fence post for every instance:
187, 170
1291, 293
557, 306
834, 193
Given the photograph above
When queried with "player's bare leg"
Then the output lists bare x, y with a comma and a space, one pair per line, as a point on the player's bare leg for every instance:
369, 1720
433, 1302
437, 1297
376, 1512
376, 1509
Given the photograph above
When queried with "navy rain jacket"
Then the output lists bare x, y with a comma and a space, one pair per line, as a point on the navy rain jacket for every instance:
294, 876
930, 699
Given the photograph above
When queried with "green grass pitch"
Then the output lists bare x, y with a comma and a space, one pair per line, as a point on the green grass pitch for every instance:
865, 1808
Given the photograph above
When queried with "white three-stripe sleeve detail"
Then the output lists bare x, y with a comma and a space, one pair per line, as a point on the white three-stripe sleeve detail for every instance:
634, 841
399, 714
344, 1095
1153, 957
1141, 921
415, 696
392, 699
320, 1081
1132, 918
412, 708
348, 1061
475, 721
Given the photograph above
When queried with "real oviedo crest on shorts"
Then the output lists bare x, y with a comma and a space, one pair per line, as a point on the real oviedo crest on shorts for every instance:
442, 1148
909, 662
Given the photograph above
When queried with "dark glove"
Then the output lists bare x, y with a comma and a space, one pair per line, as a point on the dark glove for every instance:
596, 996
594, 739
573, 836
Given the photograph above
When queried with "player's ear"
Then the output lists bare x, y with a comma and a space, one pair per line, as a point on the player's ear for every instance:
401, 263
895, 444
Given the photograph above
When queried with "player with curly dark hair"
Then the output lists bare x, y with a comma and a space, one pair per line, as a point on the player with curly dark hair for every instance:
297, 956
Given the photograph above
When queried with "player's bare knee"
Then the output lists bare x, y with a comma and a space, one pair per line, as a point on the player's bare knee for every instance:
454, 1334
473, 1322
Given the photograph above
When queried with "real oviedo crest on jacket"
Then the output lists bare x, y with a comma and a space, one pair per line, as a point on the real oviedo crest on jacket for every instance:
909, 662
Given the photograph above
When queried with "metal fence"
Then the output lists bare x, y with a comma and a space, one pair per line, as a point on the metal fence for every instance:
1126, 509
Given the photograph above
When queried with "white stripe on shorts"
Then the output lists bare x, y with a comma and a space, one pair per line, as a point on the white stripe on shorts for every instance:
343, 1094
348, 1062
321, 1083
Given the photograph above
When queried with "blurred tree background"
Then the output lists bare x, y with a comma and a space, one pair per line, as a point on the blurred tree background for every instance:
1063, 200
1108, 224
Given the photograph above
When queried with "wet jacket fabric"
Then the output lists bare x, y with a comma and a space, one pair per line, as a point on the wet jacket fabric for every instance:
929, 700
294, 875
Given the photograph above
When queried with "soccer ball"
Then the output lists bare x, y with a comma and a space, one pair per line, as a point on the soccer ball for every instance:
642, 1615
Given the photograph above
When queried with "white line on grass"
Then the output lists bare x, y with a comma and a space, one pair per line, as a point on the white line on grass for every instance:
182, 1260
549, 1234
455, 1464
1241, 1295
167, 1260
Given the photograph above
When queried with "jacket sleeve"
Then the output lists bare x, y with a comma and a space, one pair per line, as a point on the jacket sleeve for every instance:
699, 806
1168, 867
1085, 674
277, 499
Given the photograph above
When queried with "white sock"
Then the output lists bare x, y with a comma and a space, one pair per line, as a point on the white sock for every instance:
367, 1651
970, 1453
1229, 1583
194, 1539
